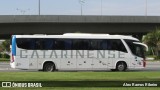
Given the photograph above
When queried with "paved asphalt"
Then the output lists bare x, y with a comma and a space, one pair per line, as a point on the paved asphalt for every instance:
151, 66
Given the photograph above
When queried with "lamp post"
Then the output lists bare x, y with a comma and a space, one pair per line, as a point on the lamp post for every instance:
39, 7
81, 2
146, 7
101, 7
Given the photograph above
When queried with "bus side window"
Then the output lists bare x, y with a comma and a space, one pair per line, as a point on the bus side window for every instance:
39, 44
54, 44
25, 43
21, 43
85, 45
31, 44
77, 44
103, 45
121, 47
68, 44
59, 44
111, 45
48, 44
116, 44
81, 44
95, 44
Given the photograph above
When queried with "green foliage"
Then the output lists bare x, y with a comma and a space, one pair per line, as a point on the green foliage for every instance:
157, 58
152, 39
5, 56
5, 45
0, 55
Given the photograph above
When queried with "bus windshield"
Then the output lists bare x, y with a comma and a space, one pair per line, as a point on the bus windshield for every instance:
136, 49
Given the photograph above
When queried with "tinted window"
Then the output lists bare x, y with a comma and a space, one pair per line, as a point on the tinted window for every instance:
38, 44
70, 44
95, 44
98, 44
81, 44
59, 44
48, 44
135, 48
116, 44
25, 43
104, 45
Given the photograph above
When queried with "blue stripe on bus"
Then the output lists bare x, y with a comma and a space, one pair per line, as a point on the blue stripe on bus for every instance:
14, 45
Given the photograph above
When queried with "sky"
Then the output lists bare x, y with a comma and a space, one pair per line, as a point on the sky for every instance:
73, 7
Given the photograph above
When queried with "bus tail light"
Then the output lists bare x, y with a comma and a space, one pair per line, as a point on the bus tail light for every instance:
144, 63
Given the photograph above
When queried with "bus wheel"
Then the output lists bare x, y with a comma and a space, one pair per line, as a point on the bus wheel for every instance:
121, 66
48, 67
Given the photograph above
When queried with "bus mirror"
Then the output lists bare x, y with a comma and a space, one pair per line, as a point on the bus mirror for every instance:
142, 45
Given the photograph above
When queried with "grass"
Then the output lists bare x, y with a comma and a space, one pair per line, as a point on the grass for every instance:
81, 76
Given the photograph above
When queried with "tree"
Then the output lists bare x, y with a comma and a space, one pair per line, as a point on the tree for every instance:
152, 39
5, 45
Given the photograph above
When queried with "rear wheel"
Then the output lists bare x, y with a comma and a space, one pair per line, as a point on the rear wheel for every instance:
48, 67
121, 66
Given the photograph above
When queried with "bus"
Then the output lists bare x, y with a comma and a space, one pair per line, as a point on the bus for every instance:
77, 52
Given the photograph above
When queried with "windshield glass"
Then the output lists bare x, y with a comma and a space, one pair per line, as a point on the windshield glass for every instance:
136, 49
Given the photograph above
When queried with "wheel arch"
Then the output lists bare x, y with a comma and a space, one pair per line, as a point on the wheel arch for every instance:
55, 66
120, 62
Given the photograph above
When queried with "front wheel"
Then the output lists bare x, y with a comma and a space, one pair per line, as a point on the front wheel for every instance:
48, 67
121, 66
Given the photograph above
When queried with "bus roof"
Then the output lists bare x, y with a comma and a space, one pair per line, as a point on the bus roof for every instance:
80, 36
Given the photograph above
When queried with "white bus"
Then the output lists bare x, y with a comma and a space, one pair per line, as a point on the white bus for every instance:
77, 52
